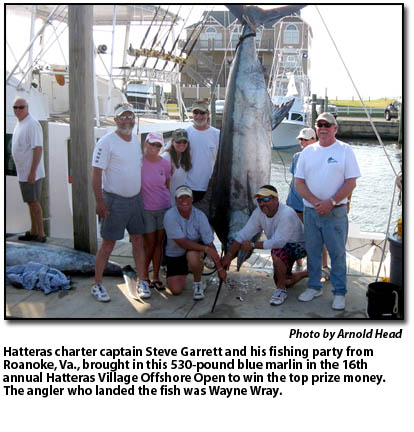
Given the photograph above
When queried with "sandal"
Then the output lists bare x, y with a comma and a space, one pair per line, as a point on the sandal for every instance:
27, 236
158, 285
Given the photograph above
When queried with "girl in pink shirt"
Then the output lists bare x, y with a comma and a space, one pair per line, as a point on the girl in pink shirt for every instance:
155, 178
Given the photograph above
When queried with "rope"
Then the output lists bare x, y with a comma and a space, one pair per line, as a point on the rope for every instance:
224, 57
375, 130
395, 308
388, 227
360, 98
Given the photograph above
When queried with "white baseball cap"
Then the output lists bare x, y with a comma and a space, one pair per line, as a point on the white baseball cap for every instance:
183, 190
124, 108
307, 134
327, 116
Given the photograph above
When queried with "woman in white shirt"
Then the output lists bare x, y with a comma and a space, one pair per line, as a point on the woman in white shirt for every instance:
178, 154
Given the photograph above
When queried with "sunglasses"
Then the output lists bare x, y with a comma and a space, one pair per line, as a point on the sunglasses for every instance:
304, 139
265, 200
155, 144
181, 142
19, 106
321, 125
196, 112
127, 117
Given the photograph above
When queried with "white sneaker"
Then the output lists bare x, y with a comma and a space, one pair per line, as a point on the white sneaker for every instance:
143, 289
338, 302
198, 291
99, 292
309, 294
278, 297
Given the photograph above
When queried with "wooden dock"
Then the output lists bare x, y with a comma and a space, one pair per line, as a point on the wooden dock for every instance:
355, 127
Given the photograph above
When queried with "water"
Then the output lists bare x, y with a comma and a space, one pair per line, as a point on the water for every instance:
371, 200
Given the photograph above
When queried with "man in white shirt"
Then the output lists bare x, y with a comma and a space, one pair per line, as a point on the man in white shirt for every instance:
326, 175
284, 232
116, 183
204, 142
27, 152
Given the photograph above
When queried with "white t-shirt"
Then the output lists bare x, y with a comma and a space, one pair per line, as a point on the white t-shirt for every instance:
178, 177
26, 136
121, 163
325, 169
203, 148
284, 227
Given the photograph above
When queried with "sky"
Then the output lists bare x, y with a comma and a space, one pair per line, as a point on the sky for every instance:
369, 39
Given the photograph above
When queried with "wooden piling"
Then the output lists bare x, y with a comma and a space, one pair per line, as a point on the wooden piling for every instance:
45, 199
81, 102
313, 115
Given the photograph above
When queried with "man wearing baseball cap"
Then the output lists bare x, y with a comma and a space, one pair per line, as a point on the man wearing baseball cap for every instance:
189, 237
325, 177
204, 141
284, 232
116, 183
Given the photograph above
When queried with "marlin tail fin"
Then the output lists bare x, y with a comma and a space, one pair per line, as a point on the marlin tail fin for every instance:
254, 16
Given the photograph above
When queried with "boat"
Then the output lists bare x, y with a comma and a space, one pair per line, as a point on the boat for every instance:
289, 80
45, 87
285, 135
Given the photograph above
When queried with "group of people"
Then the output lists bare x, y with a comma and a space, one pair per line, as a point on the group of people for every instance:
314, 221
151, 193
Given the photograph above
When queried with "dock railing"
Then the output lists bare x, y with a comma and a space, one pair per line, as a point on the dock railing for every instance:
359, 110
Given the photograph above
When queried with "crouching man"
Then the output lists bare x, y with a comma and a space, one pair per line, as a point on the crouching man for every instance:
189, 237
285, 238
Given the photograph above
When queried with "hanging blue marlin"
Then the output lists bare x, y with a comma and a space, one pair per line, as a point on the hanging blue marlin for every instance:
244, 157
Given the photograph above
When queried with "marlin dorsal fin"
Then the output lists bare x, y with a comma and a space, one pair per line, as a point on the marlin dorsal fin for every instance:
279, 112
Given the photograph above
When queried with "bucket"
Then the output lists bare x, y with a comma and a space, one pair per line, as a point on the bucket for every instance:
384, 301
396, 270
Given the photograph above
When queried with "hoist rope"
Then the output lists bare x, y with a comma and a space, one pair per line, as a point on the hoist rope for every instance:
356, 89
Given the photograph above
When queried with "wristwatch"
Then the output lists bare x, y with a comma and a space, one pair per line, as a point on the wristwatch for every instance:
333, 202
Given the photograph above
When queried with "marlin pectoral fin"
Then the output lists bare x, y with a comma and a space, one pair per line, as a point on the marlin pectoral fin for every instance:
243, 256
279, 112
